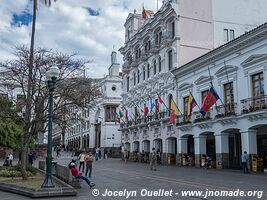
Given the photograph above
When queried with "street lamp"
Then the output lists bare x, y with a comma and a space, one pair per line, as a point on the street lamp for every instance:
51, 77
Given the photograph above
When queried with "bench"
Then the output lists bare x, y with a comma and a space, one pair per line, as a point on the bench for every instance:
64, 174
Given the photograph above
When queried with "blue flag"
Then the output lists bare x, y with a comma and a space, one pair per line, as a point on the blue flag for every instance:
152, 105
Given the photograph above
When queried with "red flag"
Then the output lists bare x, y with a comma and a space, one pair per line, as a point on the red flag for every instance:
157, 106
126, 114
160, 100
209, 101
172, 118
146, 110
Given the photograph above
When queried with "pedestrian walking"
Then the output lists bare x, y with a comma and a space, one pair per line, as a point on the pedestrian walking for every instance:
153, 160
58, 150
81, 161
105, 154
10, 159
97, 154
89, 164
244, 162
74, 172
125, 155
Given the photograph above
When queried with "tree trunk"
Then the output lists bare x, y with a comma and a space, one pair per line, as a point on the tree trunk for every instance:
24, 154
28, 110
63, 132
24, 163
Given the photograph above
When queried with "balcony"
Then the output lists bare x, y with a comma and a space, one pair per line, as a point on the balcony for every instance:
226, 110
254, 104
183, 120
197, 117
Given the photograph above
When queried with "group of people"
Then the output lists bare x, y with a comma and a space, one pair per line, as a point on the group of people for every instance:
85, 161
156, 158
153, 161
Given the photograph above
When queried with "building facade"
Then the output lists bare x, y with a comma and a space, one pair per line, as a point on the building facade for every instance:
98, 127
238, 121
154, 47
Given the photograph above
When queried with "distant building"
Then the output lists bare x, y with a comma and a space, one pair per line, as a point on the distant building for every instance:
99, 128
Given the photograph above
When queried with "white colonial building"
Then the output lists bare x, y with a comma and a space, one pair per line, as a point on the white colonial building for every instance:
154, 48
238, 122
98, 128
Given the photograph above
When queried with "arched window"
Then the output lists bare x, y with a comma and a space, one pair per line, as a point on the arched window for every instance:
144, 73
170, 59
128, 84
159, 64
148, 70
138, 76
134, 78
155, 67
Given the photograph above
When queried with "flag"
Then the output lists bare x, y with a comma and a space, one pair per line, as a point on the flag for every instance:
146, 13
118, 119
157, 104
126, 114
160, 100
191, 104
146, 109
152, 105
175, 111
209, 101
121, 114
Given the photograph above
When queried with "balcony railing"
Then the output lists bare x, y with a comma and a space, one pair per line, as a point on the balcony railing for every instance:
197, 116
226, 110
183, 120
254, 104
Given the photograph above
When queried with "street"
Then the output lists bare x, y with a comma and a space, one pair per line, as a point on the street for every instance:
130, 180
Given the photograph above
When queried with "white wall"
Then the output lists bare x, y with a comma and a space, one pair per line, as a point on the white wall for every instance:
239, 15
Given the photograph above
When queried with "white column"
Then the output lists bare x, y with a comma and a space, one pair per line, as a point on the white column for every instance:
222, 143
200, 144
164, 146
182, 145
249, 141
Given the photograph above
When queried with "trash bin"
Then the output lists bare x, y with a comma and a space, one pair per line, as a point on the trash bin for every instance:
54, 163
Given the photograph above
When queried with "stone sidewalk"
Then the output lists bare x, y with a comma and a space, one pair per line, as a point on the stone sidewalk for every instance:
114, 174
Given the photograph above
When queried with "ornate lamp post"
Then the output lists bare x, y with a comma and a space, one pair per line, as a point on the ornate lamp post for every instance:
51, 77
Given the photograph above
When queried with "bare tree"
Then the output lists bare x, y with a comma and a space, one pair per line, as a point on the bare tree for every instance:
71, 90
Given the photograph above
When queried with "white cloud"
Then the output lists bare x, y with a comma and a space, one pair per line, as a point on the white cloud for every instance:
67, 26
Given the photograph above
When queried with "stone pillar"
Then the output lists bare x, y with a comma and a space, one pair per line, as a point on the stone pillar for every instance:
200, 148
164, 151
249, 143
222, 150
182, 149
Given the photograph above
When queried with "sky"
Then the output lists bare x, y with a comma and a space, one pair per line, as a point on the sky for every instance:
90, 28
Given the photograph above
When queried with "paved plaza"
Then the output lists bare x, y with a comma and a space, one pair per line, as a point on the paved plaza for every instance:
115, 175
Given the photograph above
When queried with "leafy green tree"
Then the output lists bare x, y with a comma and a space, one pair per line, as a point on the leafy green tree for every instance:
10, 125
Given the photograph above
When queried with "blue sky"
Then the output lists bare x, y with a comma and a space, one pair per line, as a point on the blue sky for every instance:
88, 27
